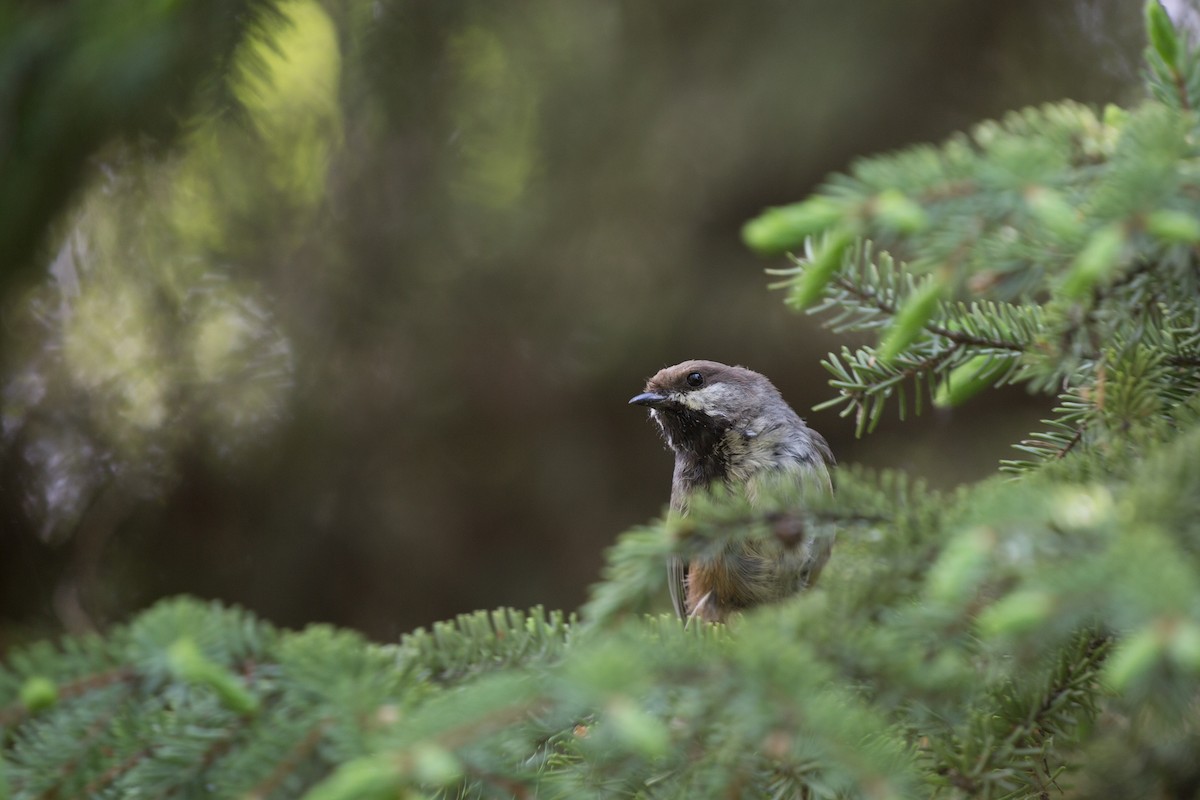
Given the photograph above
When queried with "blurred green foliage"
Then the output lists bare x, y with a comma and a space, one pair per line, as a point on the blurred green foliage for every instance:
332, 308
75, 75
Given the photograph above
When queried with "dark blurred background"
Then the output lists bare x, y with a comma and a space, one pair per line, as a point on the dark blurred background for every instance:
337, 318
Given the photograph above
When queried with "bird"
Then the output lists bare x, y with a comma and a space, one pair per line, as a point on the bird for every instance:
728, 426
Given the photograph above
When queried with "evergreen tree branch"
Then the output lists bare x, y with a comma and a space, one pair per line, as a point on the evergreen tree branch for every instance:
288, 765
978, 643
110, 776
1023, 743
961, 338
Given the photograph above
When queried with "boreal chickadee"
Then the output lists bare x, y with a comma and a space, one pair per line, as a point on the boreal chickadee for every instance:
730, 426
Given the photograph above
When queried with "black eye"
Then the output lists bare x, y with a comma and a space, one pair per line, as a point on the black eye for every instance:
695, 379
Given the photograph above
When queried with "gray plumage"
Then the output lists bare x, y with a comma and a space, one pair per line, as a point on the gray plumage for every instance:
729, 425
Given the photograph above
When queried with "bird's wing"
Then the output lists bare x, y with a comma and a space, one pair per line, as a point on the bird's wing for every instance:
827, 460
676, 583
822, 447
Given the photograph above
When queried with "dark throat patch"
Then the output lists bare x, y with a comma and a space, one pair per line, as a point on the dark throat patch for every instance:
699, 444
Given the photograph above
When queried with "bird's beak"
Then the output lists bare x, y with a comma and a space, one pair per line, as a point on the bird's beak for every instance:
649, 399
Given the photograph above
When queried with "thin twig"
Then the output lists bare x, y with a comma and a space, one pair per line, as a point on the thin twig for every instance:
958, 337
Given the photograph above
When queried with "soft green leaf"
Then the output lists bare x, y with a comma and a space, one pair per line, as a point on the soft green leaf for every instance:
967, 380
1174, 227
909, 322
1098, 259
371, 778
1162, 33
786, 228
1134, 658
191, 665
38, 693
899, 213
807, 289
1017, 612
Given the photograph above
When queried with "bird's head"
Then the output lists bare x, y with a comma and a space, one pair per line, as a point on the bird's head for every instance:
699, 403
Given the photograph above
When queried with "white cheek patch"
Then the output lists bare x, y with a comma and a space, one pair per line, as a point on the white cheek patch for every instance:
710, 398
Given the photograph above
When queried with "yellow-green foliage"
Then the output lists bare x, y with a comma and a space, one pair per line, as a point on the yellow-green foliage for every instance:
1033, 634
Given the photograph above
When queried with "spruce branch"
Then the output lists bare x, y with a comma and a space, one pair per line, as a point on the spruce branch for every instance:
480, 642
957, 643
865, 382
291, 761
110, 776
870, 297
1092, 286
1066, 700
